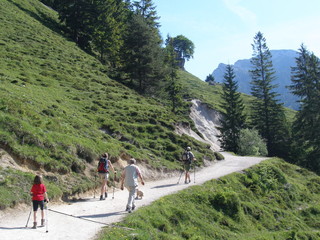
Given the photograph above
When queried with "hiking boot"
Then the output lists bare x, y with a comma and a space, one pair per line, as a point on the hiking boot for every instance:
34, 225
128, 209
101, 197
42, 222
105, 194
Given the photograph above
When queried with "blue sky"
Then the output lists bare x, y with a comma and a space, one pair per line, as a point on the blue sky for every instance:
223, 30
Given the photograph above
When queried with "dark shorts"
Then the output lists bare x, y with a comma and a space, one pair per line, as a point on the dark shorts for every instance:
36, 204
187, 167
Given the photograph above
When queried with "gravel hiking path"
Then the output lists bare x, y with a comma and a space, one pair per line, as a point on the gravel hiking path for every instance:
84, 219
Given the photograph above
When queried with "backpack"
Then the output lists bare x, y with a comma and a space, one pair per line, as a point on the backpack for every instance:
103, 165
186, 157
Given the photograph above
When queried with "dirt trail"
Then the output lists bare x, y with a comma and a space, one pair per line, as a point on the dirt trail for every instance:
83, 220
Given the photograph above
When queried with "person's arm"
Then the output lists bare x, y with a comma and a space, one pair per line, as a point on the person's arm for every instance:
122, 179
46, 197
141, 179
111, 166
45, 193
140, 175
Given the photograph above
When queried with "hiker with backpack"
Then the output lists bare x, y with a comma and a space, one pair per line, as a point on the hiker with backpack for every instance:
129, 179
39, 196
103, 170
187, 159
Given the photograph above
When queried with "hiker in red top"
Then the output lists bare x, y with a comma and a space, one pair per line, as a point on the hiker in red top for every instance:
39, 195
103, 170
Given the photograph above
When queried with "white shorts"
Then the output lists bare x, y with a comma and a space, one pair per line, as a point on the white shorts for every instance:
104, 176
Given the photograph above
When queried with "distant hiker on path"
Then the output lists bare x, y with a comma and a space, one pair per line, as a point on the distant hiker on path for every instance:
103, 169
187, 158
39, 196
129, 179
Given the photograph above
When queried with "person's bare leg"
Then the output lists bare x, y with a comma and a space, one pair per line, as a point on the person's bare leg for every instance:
106, 188
42, 218
34, 219
103, 188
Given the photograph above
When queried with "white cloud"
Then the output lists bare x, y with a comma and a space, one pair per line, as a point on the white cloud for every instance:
245, 14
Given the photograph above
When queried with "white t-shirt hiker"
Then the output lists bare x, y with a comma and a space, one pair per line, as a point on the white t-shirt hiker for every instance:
129, 179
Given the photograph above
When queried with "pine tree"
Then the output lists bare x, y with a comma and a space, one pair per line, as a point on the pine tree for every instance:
77, 15
173, 87
143, 56
268, 114
305, 77
210, 79
147, 10
233, 119
108, 30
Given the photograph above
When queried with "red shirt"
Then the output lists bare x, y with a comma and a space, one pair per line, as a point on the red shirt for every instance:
38, 191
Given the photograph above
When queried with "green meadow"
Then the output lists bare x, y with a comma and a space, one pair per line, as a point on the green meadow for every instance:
272, 200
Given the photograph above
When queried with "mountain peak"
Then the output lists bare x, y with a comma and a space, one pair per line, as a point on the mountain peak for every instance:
282, 61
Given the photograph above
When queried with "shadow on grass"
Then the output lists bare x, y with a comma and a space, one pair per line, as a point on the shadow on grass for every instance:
42, 18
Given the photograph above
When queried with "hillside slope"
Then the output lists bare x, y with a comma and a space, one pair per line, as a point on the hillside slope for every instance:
59, 111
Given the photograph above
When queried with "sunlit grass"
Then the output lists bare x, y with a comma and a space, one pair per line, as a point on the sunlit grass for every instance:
273, 200
59, 110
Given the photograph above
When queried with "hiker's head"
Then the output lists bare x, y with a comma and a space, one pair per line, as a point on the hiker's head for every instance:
37, 179
188, 148
105, 155
132, 161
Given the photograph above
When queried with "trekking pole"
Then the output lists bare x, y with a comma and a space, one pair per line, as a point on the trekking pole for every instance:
194, 173
47, 216
29, 216
114, 183
95, 185
180, 176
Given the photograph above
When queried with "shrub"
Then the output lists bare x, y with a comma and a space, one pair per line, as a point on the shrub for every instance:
251, 143
218, 156
227, 202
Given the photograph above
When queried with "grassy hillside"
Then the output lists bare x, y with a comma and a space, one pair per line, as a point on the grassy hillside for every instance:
59, 110
273, 200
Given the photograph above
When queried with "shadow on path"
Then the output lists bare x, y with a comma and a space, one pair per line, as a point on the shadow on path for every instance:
101, 215
164, 186
12, 228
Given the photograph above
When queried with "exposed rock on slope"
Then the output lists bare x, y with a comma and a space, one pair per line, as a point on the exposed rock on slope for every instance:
206, 120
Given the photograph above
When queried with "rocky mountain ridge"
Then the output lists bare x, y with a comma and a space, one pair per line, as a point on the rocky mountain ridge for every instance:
282, 61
